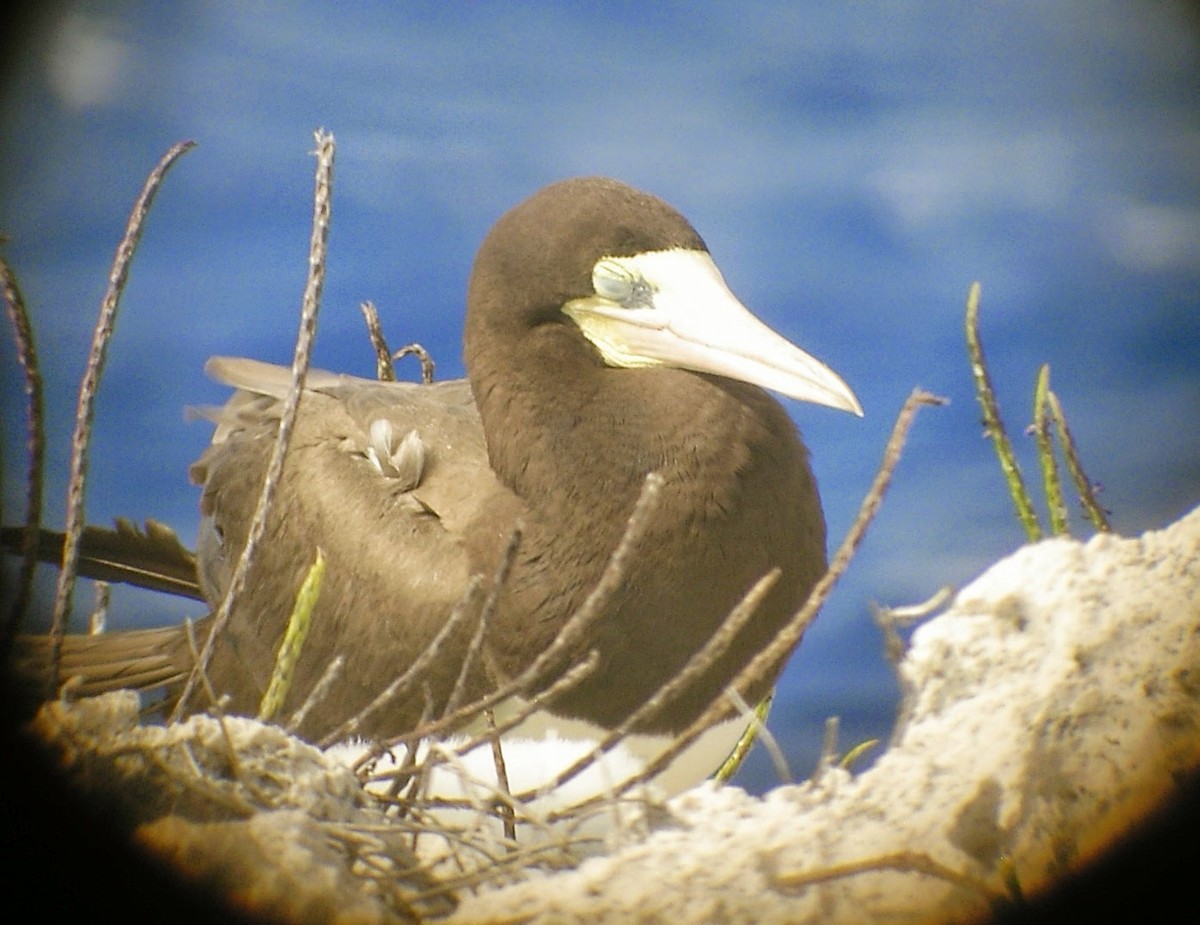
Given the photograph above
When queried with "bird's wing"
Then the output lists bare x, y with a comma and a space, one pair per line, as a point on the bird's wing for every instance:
402, 527
444, 462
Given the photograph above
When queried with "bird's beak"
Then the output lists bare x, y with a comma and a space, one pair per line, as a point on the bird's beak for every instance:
673, 308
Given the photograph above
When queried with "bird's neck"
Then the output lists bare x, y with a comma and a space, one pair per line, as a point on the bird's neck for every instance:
575, 439
574, 442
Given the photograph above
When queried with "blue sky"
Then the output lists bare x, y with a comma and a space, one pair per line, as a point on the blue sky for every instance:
853, 167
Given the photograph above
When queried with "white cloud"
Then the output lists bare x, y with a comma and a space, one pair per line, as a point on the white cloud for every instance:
950, 169
85, 64
1152, 236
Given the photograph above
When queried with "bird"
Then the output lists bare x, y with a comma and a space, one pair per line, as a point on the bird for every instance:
601, 345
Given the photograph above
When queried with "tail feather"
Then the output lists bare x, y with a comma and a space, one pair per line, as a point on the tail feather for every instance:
139, 660
151, 557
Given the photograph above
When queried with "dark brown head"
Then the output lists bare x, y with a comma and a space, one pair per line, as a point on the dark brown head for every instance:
592, 271
542, 252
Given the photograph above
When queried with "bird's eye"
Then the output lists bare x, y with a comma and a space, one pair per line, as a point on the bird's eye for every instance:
613, 281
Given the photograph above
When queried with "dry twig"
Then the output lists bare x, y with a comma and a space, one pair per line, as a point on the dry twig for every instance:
574, 630
787, 638
475, 646
384, 371
462, 611
903, 861
700, 662
35, 444
98, 618
319, 692
505, 808
427, 365
318, 246
81, 438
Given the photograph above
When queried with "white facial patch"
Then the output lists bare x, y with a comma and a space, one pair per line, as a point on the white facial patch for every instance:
628, 294
673, 308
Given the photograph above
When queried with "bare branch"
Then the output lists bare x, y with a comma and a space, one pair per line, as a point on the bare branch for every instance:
485, 618
789, 636
505, 808
318, 246
98, 618
319, 692
575, 629
85, 410
904, 861
700, 662
18, 315
462, 611
427, 366
384, 371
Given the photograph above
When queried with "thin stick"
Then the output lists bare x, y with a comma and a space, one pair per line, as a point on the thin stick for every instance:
422, 354
569, 679
35, 444
907, 614
993, 427
889, 619
1087, 494
318, 247
829, 747
1059, 524
408, 773
85, 410
523, 859
700, 662
904, 861
318, 693
574, 629
789, 636
384, 371
475, 646
463, 609
503, 807
216, 707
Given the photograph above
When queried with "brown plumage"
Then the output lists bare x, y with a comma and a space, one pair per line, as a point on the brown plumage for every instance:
549, 433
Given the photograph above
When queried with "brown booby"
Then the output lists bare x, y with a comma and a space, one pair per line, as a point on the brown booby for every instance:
601, 344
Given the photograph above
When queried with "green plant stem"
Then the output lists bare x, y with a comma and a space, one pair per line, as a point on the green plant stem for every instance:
992, 424
298, 625
1087, 495
1059, 524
